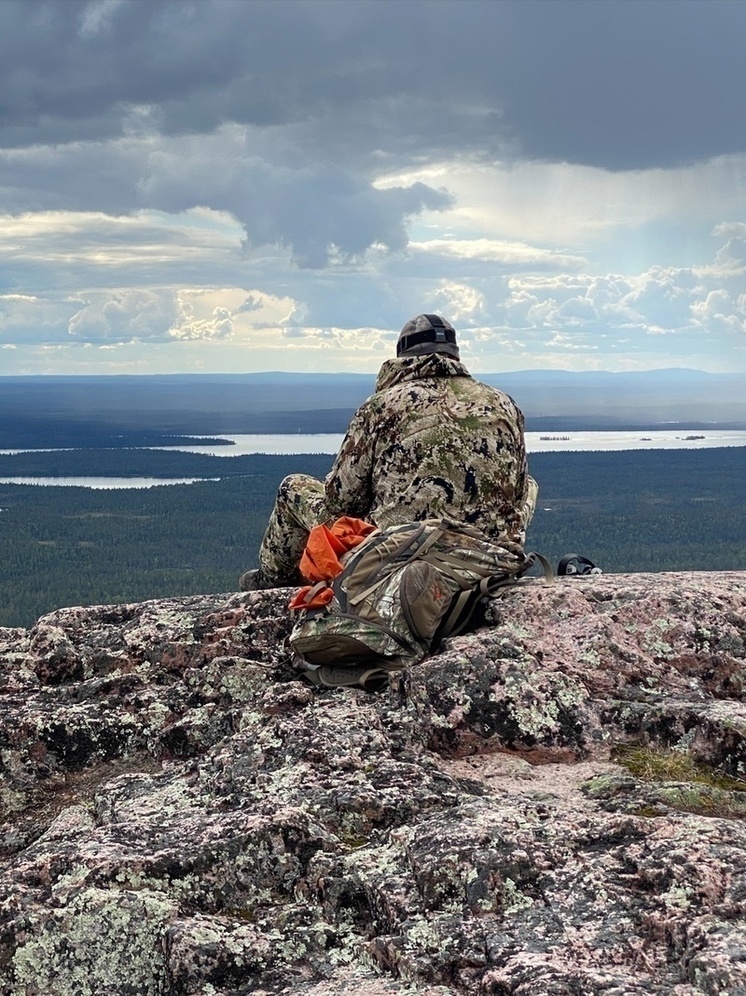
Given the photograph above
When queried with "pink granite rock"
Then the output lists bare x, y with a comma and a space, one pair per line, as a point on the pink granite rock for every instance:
181, 816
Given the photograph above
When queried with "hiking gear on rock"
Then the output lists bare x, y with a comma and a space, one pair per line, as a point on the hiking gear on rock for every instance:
573, 563
371, 679
427, 334
401, 591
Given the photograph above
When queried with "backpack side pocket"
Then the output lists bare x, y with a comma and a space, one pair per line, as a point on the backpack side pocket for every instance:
424, 599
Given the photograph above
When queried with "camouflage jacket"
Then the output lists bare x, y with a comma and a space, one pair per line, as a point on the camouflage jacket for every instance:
433, 442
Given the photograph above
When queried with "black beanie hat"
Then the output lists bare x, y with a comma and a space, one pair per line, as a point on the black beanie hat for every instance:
427, 334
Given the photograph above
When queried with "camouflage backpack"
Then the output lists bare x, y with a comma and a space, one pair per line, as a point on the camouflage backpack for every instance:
401, 591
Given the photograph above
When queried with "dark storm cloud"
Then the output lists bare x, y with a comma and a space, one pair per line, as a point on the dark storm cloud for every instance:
618, 84
317, 210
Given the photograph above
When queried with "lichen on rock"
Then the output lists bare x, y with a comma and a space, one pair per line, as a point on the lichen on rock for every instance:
182, 817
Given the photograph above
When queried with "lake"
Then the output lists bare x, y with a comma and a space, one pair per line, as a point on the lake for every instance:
104, 483
545, 442
557, 442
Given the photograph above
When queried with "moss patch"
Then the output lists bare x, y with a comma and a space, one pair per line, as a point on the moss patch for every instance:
683, 784
664, 765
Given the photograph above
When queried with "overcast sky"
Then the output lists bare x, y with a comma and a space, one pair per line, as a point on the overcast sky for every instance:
240, 185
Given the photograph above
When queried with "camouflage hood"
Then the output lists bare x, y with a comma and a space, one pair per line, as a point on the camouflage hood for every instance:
400, 369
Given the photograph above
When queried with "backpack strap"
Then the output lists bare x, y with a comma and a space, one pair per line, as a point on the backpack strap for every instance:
446, 561
378, 573
460, 612
465, 602
547, 567
312, 597
421, 551
400, 640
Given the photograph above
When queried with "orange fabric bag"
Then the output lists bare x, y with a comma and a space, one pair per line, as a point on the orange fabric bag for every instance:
321, 557
326, 544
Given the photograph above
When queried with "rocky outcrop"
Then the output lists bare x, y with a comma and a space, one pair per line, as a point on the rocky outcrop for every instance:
180, 815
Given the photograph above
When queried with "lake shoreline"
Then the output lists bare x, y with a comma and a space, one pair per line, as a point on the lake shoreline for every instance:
149, 467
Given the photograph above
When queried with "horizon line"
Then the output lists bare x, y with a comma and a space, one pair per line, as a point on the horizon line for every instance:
326, 373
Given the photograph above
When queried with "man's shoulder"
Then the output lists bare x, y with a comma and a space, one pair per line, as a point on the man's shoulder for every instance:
479, 389
488, 389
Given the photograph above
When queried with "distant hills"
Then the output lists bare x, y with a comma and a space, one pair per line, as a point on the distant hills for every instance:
641, 396
61, 410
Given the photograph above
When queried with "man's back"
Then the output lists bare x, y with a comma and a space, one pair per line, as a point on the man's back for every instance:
433, 442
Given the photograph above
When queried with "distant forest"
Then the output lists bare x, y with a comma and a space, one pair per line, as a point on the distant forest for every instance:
119, 411
648, 510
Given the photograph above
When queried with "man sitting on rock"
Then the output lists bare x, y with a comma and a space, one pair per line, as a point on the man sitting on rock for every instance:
432, 442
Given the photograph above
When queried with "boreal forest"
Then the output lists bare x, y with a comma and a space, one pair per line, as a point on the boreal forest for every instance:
644, 510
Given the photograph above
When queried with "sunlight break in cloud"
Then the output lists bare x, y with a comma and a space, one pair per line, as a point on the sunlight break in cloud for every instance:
562, 203
518, 254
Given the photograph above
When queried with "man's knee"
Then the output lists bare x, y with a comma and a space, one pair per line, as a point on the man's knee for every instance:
299, 487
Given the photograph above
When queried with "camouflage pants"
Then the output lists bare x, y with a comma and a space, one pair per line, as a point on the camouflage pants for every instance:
298, 508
